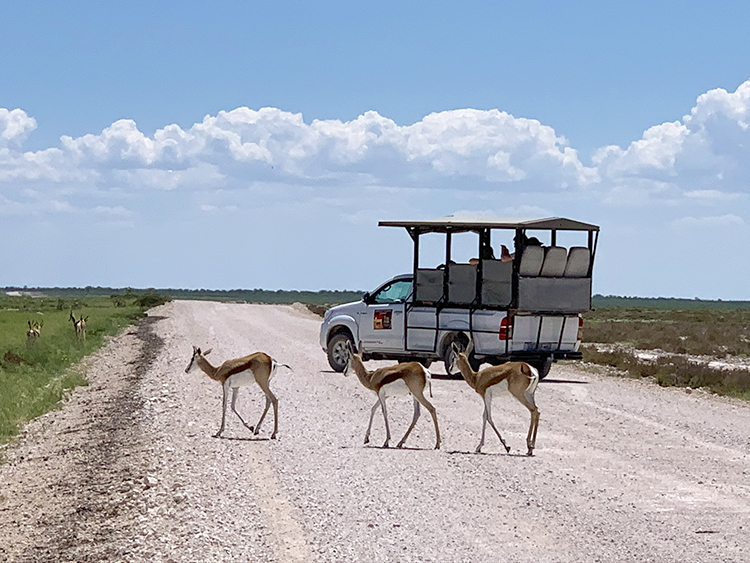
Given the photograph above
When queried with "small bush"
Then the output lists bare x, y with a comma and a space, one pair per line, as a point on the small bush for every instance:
151, 299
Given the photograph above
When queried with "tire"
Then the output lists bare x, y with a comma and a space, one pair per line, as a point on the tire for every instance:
542, 366
337, 354
462, 342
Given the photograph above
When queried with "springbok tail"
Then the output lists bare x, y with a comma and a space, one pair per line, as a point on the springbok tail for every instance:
533, 382
428, 377
276, 365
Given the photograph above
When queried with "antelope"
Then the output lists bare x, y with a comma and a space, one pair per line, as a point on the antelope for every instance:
401, 379
79, 325
519, 378
35, 331
241, 372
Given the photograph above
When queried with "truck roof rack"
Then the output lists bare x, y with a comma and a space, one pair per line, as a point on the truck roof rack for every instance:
465, 223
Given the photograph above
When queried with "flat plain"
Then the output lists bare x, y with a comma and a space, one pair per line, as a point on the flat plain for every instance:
128, 470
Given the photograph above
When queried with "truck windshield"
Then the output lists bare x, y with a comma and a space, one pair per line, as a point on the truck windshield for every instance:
394, 292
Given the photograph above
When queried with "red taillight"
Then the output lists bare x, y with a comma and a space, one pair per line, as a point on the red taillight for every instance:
506, 329
580, 328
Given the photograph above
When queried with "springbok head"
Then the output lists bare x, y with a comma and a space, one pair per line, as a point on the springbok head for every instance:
194, 359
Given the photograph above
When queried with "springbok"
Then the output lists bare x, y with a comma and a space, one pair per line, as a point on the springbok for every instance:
401, 379
79, 325
241, 372
519, 378
35, 331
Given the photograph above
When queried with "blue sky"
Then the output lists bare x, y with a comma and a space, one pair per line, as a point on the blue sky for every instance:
242, 144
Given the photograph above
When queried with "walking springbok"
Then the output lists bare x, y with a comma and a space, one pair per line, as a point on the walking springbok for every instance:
34, 332
519, 378
401, 379
241, 372
79, 325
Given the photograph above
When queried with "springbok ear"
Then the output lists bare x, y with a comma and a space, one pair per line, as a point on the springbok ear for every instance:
455, 348
207, 352
470, 348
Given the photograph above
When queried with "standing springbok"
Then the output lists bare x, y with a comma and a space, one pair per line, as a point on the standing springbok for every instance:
79, 325
34, 332
401, 379
241, 372
519, 378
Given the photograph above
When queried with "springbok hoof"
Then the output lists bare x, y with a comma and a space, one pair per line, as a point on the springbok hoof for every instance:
507, 449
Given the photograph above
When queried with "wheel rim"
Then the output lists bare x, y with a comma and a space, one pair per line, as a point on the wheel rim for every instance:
339, 352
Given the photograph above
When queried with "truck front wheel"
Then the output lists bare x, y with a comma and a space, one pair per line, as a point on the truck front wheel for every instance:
337, 352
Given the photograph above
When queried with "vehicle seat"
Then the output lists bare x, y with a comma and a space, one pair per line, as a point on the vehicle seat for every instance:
579, 259
462, 283
531, 261
429, 286
555, 260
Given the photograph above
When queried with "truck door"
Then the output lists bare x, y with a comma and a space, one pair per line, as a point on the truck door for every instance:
381, 327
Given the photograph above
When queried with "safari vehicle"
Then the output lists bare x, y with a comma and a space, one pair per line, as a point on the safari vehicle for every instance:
523, 306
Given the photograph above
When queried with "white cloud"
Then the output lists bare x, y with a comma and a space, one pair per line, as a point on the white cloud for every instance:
702, 160
269, 145
724, 222
117, 211
15, 126
704, 155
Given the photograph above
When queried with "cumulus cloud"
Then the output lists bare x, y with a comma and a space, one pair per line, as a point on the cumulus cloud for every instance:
703, 155
15, 127
703, 159
271, 145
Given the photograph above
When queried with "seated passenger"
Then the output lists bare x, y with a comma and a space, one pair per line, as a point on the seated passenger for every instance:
487, 254
505, 255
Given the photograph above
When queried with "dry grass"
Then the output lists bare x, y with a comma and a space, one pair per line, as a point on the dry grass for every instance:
679, 333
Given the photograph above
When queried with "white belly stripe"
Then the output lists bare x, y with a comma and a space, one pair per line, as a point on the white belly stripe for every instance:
242, 378
497, 390
396, 388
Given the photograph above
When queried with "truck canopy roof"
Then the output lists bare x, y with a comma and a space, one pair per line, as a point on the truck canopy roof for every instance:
463, 223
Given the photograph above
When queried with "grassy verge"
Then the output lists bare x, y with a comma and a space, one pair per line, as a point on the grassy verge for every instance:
681, 333
34, 375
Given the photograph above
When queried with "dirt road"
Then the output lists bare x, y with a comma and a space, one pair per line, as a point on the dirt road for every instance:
128, 469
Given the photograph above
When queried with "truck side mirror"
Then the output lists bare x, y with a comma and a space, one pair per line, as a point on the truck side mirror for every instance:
366, 297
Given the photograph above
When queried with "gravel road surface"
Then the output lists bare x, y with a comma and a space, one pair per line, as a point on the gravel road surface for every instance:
128, 470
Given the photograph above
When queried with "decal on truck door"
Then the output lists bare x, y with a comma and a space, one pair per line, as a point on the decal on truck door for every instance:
381, 320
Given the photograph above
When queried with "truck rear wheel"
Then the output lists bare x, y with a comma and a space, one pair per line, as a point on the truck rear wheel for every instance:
338, 355
542, 366
461, 343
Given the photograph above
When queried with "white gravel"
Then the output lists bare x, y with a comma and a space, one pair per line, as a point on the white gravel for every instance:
128, 471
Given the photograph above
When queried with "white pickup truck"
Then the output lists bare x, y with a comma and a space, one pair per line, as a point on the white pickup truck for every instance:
524, 306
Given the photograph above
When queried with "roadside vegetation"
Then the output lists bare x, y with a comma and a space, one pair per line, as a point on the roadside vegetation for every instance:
35, 373
685, 336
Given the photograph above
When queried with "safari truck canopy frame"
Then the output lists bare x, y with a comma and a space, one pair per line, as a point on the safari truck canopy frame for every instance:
542, 279
542, 286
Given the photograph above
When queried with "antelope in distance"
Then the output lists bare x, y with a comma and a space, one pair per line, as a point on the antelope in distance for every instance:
241, 372
79, 325
401, 379
34, 332
519, 378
